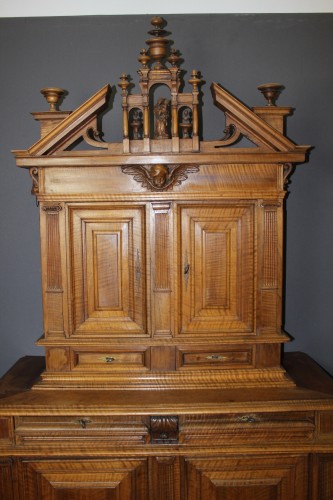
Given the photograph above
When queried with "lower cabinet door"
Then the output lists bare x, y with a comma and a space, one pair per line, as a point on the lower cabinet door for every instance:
109, 479
238, 478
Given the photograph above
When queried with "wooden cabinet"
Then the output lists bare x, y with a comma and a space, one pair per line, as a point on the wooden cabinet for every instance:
162, 281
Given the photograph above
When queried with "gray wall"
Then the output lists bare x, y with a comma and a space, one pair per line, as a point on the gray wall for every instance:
238, 51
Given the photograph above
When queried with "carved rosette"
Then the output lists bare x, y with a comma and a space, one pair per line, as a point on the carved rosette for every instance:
160, 177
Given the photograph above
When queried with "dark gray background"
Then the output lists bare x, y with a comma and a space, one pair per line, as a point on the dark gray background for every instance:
81, 54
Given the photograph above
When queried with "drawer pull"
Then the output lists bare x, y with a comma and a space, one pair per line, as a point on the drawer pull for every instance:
247, 419
83, 422
216, 357
108, 359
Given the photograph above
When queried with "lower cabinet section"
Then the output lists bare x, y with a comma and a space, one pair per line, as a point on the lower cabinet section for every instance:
230, 477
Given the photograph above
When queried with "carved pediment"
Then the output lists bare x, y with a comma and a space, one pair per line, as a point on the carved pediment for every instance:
156, 124
241, 120
81, 123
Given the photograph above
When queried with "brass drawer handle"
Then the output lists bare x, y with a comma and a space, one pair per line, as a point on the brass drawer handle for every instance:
247, 419
83, 422
216, 357
108, 359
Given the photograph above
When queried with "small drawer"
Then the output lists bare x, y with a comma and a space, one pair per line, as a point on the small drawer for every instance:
214, 358
260, 428
113, 359
126, 430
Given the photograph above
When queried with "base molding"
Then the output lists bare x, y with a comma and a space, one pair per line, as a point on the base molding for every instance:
210, 379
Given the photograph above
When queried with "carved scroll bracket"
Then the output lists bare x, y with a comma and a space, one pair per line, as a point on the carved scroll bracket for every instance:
93, 137
35, 181
160, 177
288, 169
231, 135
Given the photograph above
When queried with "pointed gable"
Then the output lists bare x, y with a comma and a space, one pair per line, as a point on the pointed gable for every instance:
248, 123
73, 127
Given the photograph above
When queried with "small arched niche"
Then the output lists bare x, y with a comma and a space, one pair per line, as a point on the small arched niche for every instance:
135, 120
185, 122
160, 112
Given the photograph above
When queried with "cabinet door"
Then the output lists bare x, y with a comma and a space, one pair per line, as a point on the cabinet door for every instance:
84, 479
108, 270
217, 268
253, 478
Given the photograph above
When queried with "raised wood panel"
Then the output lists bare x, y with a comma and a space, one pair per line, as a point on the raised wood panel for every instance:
270, 268
214, 357
84, 479
326, 424
112, 359
53, 269
108, 270
107, 286
165, 478
211, 180
253, 478
162, 269
217, 269
81, 428
249, 427
57, 358
322, 481
6, 480
6, 430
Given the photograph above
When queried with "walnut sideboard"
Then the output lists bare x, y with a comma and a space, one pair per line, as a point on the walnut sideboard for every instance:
162, 281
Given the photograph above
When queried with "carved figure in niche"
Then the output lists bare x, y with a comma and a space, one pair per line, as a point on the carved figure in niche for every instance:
159, 175
136, 123
186, 124
161, 112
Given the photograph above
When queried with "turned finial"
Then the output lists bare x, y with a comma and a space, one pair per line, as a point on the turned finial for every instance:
124, 83
195, 79
158, 43
271, 92
144, 58
52, 96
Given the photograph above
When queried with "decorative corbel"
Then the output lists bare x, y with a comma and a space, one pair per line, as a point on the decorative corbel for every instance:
288, 169
35, 180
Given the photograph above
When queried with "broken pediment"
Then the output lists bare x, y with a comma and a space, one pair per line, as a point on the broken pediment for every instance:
80, 123
161, 118
240, 120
